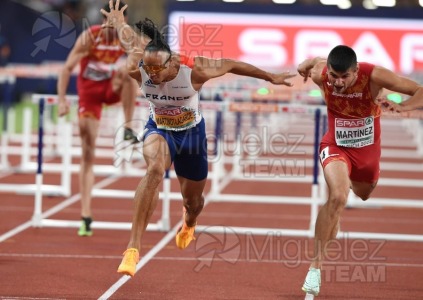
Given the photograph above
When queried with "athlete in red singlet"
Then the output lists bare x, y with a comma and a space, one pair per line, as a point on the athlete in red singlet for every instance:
350, 150
100, 82
353, 127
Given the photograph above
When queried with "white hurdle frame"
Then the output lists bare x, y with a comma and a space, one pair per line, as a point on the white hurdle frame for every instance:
219, 180
48, 189
38, 220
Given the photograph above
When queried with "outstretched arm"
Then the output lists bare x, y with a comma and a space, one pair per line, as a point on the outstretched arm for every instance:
132, 42
312, 68
387, 79
207, 68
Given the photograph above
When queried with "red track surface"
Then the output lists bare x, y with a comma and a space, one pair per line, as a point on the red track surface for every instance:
54, 263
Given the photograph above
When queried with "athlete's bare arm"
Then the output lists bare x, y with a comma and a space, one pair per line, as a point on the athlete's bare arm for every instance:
384, 78
79, 51
207, 68
312, 68
132, 42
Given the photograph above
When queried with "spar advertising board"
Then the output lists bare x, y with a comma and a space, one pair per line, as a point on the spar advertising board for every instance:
277, 41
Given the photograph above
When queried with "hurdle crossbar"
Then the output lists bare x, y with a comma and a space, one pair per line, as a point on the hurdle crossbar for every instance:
220, 178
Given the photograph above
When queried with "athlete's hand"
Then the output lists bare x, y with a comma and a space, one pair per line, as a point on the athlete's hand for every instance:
304, 70
281, 78
388, 105
63, 107
115, 17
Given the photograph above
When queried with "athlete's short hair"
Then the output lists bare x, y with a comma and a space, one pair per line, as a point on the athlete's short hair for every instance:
342, 58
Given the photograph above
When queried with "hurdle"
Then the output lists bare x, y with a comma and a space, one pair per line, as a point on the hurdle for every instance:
38, 219
53, 190
220, 181
8, 81
220, 178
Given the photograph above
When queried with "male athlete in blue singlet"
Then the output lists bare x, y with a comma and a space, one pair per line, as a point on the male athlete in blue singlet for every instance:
175, 131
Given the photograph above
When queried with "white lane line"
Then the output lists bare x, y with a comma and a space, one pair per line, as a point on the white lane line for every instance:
55, 209
150, 255
144, 260
27, 298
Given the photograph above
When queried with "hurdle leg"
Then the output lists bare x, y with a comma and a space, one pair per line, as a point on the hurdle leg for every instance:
37, 218
26, 138
165, 220
315, 186
4, 161
66, 160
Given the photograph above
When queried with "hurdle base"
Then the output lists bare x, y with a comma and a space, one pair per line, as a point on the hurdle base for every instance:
308, 233
96, 225
30, 189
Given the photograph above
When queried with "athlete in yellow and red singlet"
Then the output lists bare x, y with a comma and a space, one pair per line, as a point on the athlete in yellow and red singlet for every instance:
353, 123
100, 82
97, 69
350, 150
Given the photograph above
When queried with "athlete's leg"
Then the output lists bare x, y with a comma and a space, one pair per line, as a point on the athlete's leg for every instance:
193, 199
363, 189
337, 179
88, 128
157, 156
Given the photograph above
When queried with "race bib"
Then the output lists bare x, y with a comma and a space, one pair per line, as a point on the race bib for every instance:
95, 73
172, 118
354, 133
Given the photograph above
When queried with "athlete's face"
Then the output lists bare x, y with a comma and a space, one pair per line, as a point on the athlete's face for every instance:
156, 65
342, 80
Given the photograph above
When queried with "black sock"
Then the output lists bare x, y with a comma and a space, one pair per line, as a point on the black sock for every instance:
87, 221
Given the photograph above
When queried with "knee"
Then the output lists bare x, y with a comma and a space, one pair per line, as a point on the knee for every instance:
155, 172
87, 150
363, 194
194, 204
88, 156
336, 203
364, 197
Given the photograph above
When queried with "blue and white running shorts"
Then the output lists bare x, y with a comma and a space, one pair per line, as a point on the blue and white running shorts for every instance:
188, 149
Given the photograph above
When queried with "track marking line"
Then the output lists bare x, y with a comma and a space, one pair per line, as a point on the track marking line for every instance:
55, 209
150, 255
144, 260
217, 259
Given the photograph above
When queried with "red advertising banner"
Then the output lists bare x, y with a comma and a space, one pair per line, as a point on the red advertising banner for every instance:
277, 41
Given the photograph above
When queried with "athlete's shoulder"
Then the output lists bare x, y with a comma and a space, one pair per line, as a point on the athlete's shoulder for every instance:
94, 28
188, 61
366, 67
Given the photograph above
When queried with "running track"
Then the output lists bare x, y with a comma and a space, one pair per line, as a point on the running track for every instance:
54, 263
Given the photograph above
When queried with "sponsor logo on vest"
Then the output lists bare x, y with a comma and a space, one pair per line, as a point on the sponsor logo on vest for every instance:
166, 97
353, 95
149, 83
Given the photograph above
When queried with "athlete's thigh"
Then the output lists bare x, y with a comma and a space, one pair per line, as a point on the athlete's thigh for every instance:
191, 159
363, 189
88, 129
90, 105
337, 178
156, 149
